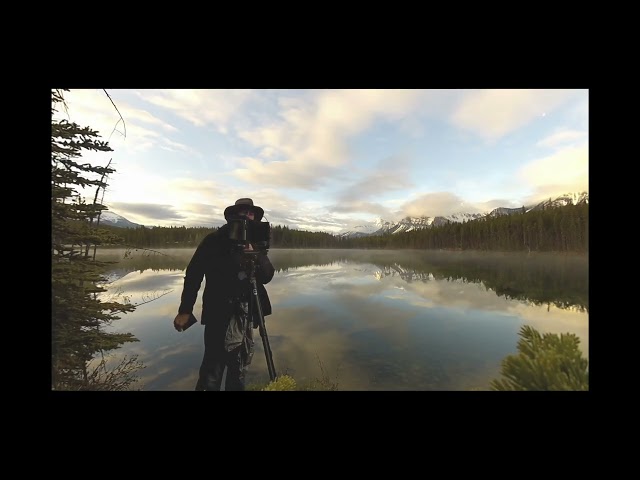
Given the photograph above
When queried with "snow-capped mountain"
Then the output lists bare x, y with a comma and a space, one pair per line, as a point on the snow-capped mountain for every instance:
416, 223
562, 200
113, 219
407, 224
369, 228
496, 212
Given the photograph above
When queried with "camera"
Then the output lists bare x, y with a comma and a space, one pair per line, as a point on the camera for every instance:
244, 231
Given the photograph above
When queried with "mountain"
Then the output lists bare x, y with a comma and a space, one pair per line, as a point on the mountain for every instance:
367, 229
496, 212
114, 220
562, 200
407, 224
380, 226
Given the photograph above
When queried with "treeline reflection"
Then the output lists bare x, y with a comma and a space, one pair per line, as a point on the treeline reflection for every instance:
561, 280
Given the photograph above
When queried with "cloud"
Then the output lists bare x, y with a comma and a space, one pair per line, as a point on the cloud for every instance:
279, 208
490, 205
142, 129
492, 114
562, 138
578, 113
134, 115
142, 185
198, 202
309, 139
197, 207
355, 206
392, 173
288, 174
200, 107
308, 216
148, 211
436, 203
176, 147
566, 170
317, 223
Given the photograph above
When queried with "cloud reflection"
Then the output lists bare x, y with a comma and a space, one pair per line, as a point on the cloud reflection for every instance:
366, 318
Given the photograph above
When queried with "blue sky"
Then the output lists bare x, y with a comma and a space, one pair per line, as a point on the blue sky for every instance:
325, 160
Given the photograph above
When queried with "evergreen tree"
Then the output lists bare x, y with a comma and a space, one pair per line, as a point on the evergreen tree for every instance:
545, 362
78, 316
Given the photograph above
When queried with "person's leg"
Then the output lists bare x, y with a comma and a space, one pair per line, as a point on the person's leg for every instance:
240, 340
210, 378
236, 370
213, 361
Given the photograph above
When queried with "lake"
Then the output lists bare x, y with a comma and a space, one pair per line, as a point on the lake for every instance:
367, 319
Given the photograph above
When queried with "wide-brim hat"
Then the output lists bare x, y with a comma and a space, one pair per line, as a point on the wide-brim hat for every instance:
244, 204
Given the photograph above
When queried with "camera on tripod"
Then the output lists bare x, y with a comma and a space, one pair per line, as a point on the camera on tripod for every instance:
244, 231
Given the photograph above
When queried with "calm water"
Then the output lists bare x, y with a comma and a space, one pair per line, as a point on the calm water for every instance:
373, 320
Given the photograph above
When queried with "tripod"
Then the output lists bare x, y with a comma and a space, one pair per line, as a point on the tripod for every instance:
261, 326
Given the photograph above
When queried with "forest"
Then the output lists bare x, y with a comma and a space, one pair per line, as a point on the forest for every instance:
554, 229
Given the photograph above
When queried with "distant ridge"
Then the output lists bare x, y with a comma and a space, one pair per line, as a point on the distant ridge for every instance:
407, 224
109, 218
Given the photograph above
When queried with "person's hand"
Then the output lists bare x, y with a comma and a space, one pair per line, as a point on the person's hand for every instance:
180, 321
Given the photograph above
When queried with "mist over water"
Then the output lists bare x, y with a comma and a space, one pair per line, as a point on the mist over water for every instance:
370, 319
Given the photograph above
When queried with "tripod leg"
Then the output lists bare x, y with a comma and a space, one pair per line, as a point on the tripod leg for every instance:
263, 331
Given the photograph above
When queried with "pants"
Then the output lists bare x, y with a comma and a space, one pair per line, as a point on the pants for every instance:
212, 370
231, 349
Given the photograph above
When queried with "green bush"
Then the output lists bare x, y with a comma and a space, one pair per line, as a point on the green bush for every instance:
282, 383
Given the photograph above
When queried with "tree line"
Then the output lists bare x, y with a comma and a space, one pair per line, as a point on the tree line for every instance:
557, 229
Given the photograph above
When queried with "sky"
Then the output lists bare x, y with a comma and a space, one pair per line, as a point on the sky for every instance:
326, 160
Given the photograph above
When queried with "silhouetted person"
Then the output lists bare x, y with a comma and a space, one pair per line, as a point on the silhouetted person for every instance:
226, 301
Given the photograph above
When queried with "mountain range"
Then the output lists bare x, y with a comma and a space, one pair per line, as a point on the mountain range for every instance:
381, 226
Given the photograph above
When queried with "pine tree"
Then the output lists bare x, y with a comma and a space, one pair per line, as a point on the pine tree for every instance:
545, 362
78, 316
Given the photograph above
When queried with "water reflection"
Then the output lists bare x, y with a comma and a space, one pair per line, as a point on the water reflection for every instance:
378, 320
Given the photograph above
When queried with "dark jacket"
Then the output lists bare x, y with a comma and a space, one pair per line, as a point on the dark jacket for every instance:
224, 268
